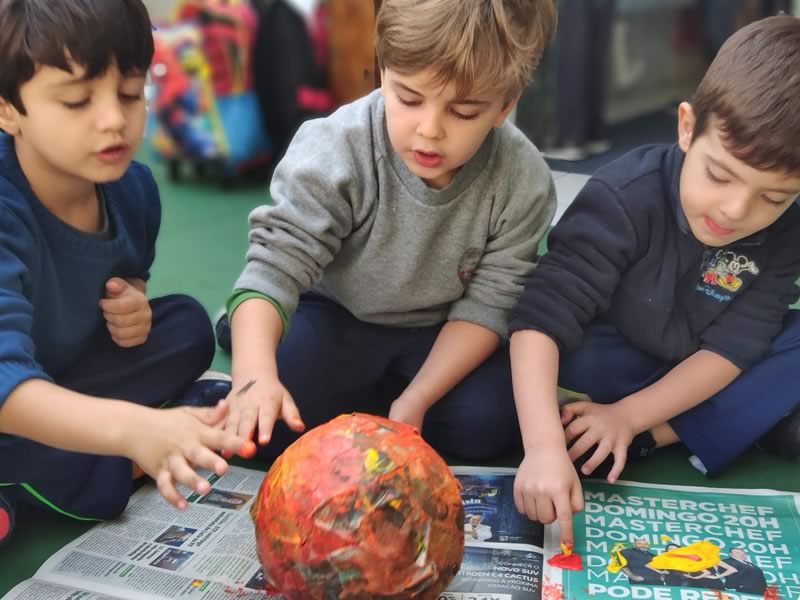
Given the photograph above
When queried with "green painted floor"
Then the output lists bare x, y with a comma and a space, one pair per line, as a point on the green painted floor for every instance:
200, 252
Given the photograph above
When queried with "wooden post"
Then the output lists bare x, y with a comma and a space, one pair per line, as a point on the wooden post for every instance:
351, 49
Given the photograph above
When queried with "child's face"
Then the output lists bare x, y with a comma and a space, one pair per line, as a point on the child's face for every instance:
723, 198
433, 130
76, 129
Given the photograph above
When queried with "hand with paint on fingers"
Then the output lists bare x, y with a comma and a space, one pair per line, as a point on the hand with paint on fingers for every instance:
259, 401
546, 488
127, 312
606, 425
169, 444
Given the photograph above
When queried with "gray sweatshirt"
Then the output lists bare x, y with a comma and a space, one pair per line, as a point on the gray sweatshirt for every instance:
352, 222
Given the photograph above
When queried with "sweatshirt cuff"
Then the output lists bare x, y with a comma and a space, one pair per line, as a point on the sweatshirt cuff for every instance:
493, 319
241, 295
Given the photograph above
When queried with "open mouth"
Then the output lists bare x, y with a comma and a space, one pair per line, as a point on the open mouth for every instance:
113, 154
426, 159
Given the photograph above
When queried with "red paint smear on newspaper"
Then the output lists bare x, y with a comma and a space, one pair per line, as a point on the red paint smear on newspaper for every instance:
551, 591
771, 593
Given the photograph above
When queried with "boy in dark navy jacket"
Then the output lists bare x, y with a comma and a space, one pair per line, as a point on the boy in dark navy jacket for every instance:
85, 358
666, 290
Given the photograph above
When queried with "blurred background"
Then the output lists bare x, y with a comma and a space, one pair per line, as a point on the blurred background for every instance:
234, 78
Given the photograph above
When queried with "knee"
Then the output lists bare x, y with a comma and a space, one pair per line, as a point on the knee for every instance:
82, 485
184, 322
789, 337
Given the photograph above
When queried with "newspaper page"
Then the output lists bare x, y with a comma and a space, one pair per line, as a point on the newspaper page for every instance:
743, 543
153, 551
503, 552
657, 542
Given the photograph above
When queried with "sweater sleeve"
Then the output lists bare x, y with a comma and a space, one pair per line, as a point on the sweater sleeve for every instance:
511, 249
744, 333
17, 362
589, 249
294, 239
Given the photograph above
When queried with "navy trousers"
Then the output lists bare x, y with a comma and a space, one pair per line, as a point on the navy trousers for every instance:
180, 347
608, 368
332, 364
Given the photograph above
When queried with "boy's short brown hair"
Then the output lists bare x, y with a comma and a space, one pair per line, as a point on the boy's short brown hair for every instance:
480, 45
751, 93
92, 33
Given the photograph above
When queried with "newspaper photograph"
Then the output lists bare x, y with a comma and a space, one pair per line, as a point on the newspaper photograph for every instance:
490, 515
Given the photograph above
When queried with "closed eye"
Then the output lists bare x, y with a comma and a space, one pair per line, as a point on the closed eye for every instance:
405, 102
776, 202
77, 105
459, 115
131, 97
713, 177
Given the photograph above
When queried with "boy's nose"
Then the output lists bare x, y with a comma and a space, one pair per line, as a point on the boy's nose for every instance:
111, 117
430, 126
735, 207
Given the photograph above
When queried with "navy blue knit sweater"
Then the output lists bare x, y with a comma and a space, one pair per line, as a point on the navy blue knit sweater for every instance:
53, 276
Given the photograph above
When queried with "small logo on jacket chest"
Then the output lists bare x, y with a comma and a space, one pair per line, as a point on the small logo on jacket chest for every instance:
726, 268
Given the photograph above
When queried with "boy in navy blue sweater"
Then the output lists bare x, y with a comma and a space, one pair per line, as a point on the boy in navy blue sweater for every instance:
666, 290
78, 224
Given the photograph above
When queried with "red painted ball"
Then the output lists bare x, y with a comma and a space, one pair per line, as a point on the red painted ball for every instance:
360, 508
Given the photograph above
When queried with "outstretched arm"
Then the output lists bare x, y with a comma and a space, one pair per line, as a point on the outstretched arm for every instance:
460, 348
166, 444
257, 397
546, 487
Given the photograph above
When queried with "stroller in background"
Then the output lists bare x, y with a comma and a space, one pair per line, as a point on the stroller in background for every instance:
204, 111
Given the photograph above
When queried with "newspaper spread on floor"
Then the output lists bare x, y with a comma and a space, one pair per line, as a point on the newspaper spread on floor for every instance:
744, 544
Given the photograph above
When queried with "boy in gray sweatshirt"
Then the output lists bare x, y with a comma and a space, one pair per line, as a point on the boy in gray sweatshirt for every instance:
402, 230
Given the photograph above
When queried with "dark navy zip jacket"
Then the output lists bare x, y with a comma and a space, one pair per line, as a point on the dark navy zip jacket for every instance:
623, 253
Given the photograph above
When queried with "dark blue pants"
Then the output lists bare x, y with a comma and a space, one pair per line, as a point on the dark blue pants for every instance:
180, 347
333, 363
609, 368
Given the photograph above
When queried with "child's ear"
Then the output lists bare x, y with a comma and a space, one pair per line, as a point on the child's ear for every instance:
507, 108
8, 117
686, 120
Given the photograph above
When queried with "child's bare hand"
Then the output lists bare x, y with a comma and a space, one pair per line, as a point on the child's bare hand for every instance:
170, 443
260, 400
546, 488
406, 410
606, 425
127, 313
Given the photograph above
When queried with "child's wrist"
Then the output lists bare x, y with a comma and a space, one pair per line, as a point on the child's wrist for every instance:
416, 398
121, 430
544, 443
260, 364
